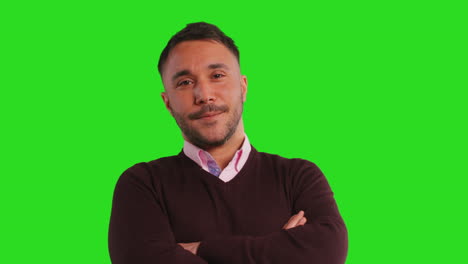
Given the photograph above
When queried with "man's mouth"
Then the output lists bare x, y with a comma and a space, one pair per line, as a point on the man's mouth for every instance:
209, 115
208, 112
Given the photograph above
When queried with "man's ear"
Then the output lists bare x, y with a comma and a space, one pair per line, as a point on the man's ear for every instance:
244, 87
165, 98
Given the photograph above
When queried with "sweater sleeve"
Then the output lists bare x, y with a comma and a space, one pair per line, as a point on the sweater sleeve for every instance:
322, 240
139, 231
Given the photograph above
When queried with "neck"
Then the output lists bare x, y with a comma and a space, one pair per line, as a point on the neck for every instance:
223, 154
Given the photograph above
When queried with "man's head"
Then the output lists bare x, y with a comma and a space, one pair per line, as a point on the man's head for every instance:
204, 89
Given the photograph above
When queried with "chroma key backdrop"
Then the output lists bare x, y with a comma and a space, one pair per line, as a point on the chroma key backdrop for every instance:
372, 92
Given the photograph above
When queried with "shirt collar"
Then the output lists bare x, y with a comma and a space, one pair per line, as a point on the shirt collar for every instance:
201, 156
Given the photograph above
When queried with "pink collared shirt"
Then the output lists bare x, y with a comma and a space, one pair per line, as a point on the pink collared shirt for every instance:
201, 157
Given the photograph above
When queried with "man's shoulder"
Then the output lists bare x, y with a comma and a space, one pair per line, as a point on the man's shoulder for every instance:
165, 161
168, 163
276, 160
295, 172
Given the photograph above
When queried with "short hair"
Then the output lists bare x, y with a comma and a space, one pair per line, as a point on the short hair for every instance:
198, 31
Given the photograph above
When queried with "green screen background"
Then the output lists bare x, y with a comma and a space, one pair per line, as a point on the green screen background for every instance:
373, 92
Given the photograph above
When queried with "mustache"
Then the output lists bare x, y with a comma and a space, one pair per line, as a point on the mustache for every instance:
208, 108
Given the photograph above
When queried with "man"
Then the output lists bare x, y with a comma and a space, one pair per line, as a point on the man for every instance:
220, 200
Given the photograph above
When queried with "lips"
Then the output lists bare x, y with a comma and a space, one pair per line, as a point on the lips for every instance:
208, 111
209, 115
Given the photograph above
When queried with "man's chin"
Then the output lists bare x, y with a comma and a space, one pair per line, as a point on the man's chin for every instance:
212, 142
208, 141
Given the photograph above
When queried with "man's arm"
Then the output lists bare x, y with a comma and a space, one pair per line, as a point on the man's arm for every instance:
295, 220
323, 239
139, 232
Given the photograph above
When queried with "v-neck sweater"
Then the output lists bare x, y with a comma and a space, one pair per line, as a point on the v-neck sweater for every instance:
172, 200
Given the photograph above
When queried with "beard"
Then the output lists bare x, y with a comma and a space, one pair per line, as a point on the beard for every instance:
197, 138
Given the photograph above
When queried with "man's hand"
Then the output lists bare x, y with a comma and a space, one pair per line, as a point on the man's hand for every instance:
192, 247
295, 220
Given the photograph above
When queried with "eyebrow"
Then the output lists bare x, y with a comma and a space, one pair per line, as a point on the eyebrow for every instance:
217, 66
187, 72
180, 73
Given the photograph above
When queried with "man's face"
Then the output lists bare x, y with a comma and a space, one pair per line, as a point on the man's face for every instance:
204, 91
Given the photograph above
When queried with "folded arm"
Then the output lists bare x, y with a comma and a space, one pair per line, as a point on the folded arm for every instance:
323, 239
139, 232
295, 220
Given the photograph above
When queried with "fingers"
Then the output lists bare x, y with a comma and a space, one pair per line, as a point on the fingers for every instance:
296, 220
293, 221
302, 221
192, 247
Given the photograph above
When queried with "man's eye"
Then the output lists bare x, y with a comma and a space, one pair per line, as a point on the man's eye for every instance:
186, 82
218, 75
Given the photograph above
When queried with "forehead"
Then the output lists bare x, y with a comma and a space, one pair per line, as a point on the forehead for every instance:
196, 55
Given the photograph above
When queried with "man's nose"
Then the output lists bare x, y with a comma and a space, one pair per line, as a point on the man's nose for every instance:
204, 93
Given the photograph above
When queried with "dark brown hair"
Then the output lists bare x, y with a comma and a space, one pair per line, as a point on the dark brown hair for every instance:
197, 31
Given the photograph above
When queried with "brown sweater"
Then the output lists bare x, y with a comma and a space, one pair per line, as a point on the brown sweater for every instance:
172, 200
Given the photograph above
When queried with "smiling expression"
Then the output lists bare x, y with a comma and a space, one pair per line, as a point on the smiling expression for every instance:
204, 91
